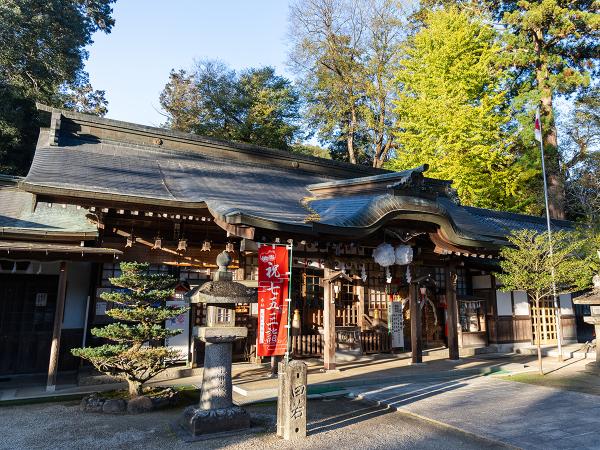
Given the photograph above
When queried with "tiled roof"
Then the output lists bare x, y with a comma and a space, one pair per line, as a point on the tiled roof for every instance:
226, 187
17, 215
252, 189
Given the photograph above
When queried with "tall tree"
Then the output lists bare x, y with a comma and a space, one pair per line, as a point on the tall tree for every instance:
451, 111
553, 48
255, 106
344, 51
580, 150
42, 51
527, 265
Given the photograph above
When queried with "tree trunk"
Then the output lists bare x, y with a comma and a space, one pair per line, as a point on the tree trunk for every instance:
538, 332
350, 138
556, 182
135, 388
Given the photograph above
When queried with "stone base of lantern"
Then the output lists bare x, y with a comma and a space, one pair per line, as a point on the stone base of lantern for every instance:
199, 422
593, 368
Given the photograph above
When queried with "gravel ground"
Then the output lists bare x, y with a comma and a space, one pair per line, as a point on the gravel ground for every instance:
333, 423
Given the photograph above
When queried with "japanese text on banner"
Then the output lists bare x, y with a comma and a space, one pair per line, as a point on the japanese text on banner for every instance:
273, 291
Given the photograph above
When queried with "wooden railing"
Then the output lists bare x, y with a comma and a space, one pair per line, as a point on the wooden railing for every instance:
375, 342
307, 345
311, 345
347, 315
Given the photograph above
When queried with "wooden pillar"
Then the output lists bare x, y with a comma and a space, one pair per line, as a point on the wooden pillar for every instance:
597, 330
56, 331
452, 310
328, 323
416, 340
360, 294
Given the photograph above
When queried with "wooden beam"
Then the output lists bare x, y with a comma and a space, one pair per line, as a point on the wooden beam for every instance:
360, 295
452, 311
56, 332
416, 340
328, 323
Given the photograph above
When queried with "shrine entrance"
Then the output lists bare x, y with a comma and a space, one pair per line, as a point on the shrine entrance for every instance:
27, 304
545, 315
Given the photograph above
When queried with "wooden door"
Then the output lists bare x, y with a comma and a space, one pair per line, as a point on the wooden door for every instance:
546, 316
27, 305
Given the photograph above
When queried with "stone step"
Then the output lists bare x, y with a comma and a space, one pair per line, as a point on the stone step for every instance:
568, 353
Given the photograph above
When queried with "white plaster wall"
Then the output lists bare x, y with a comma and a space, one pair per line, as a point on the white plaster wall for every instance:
504, 303
566, 305
78, 284
521, 303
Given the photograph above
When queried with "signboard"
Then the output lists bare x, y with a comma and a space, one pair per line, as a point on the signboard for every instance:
396, 323
273, 299
179, 342
41, 298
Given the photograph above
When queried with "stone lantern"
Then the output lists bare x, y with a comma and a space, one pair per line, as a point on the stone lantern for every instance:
592, 299
216, 411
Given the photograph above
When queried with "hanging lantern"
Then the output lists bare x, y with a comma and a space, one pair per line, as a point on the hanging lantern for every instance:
206, 246
157, 243
229, 247
336, 289
403, 254
384, 255
130, 240
182, 245
363, 273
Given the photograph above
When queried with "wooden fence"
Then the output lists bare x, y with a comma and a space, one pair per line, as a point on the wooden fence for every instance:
375, 342
307, 345
311, 345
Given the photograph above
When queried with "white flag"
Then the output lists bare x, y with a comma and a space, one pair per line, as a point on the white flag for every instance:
538, 126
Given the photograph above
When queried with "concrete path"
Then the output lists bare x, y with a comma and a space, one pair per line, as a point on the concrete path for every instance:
523, 415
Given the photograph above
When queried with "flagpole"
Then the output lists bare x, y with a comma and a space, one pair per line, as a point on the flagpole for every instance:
551, 250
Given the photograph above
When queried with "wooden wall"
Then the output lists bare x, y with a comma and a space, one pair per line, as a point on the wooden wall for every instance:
508, 329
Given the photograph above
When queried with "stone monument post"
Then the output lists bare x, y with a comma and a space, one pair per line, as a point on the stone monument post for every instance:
291, 402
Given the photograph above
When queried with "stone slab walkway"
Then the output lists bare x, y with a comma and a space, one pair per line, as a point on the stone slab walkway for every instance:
518, 414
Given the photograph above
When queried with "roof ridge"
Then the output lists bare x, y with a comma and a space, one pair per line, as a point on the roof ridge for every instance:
509, 214
192, 154
230, 145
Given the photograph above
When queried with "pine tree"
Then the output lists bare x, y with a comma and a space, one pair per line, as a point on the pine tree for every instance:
140, 314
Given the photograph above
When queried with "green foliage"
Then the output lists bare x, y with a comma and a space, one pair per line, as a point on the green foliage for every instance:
18, 133
311, 150
452, 112
255, 106
532, 265
550, 47
42, 53
143, 312
581, 155
527, 264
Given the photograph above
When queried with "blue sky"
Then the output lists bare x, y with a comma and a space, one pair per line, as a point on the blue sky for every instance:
151, 37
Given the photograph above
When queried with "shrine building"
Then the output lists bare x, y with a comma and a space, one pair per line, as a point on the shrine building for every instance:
101, 191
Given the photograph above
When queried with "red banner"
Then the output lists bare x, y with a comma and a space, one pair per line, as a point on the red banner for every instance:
273, 291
